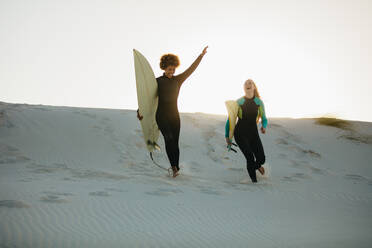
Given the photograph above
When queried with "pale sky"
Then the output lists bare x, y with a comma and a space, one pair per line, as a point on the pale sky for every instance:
308, 58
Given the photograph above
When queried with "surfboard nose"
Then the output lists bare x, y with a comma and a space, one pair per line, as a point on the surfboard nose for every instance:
136, 52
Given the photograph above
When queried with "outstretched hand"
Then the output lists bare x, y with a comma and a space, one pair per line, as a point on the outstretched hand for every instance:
204, 50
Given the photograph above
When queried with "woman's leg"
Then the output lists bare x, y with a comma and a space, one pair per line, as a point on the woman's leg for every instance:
243, 143
170, 131
176, 126
258, 152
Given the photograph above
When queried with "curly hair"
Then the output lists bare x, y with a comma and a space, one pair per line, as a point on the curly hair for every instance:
169, 59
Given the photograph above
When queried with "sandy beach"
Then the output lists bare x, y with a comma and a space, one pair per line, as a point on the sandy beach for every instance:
80, 177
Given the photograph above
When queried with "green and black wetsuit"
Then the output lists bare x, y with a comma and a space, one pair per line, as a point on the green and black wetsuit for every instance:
246, 133
167, 115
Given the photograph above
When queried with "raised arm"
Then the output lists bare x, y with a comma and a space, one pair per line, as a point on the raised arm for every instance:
184, 75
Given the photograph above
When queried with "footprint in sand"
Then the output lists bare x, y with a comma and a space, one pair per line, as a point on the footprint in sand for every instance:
11, 155
294, 163
308, 166
164, 192
210, 191
237, 185
26, 180
312, 153
61, 165
52, 198
116, 190
55, 197
303, 152
43, 169
355, 178
289, 179
100, 193
69, 179
317, 170
281, 141
57, 193
92, 174
13, 204
301, 175
282, 156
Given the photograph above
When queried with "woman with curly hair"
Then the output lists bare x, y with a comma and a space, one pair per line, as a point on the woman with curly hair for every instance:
167, 115
251, 109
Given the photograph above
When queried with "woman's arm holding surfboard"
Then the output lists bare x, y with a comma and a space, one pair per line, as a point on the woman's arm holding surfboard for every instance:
227, 130
184, 75
139, 116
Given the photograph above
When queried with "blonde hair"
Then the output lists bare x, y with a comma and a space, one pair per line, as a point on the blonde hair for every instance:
256, 93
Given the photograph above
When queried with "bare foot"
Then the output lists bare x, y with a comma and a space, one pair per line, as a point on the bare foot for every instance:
261, 170
175, 171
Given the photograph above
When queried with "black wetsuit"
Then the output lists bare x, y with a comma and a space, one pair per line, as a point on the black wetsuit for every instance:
247, 137
167, 115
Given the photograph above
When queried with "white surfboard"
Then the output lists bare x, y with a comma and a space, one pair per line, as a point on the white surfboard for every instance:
147, 96
232, 110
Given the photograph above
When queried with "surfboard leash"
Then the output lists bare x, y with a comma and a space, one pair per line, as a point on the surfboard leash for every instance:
229, 148
161, 167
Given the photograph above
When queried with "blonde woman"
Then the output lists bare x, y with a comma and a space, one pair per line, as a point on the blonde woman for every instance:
251, 109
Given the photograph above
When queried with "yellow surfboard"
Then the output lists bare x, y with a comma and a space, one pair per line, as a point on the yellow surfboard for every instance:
147, 96
232, 110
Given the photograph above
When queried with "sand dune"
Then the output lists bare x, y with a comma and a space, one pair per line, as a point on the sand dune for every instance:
79, 177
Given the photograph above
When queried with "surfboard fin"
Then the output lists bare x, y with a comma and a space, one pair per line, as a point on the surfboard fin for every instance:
156, 146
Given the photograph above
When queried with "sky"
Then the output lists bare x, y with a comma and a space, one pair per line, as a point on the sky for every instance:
308, 58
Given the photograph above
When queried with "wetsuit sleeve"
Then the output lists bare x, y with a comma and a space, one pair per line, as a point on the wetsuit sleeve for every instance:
184, 75
227, 128
263, 115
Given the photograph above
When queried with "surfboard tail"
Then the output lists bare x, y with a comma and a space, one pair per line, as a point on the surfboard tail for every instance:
232, 110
